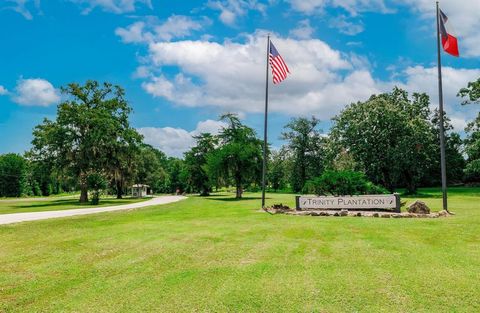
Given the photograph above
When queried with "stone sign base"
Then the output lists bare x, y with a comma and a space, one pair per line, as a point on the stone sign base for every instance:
288, 211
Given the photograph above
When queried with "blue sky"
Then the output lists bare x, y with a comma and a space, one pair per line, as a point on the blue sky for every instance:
183, 63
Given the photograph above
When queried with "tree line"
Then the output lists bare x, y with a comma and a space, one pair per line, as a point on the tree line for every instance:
392, 139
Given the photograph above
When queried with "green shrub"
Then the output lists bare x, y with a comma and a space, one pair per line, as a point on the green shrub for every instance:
341, 183
472, 172
96, 182
254, 188
13, 175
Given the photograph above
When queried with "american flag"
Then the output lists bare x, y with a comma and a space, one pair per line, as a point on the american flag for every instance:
278, 65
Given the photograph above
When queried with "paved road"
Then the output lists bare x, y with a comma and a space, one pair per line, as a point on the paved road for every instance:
33, 216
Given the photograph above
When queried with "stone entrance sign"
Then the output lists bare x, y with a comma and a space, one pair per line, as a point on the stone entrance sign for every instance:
349, 202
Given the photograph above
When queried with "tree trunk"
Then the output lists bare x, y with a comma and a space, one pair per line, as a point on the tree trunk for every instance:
83, 193
410, 184
119, 189
239, 192
83, 188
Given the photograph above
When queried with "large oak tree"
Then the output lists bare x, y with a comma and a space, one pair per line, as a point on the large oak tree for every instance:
90, 135
390, 136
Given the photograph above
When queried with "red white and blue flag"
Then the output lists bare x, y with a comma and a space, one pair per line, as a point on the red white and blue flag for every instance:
449, 41
278, 65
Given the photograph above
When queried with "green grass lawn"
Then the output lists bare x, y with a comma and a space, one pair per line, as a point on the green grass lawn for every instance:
217, 254
22, 205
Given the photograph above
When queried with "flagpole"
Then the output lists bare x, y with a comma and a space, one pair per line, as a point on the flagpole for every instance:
264, 167
441, 112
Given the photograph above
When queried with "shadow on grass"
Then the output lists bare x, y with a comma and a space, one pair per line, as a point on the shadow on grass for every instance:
72, 202
231, 199
55, 203
421, 195
436, 192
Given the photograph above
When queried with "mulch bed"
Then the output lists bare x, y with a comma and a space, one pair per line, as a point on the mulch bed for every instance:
279, 209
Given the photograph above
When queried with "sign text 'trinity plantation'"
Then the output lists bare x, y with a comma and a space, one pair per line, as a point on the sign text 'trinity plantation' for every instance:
349, 202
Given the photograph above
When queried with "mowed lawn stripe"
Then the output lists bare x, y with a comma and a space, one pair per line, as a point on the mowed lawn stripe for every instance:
217, 254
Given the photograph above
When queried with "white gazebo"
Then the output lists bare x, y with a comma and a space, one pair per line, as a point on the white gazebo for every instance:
139, 190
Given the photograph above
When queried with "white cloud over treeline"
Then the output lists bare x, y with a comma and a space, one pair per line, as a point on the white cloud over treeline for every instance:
176, 141
35, 92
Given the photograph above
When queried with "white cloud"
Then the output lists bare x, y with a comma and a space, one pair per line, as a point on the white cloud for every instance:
353, 7
114, 6
181, 90
3, 90
422, 79
172, 141
141, 72
23, 7
459, 122
463, 16
209, 126
230, 75
134, 33
35, 92
303, 30
230, 10
176, 141
176, 26
343, 25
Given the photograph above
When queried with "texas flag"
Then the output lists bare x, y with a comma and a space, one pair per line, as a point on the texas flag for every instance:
449, 41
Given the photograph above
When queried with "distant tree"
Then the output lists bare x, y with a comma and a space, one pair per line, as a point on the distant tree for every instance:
455, 162
41, 176
471, 94
151, 170
239, 156
91, 132
277, 169
306, 144
177, 175
124, 155
344, 161
472, 148
13, 175
389, 136
196, 163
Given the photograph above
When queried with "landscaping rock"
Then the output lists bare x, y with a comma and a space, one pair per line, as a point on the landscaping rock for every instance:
361, 214
443, 213
418, 207
281, 207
